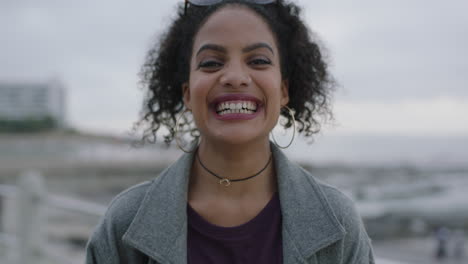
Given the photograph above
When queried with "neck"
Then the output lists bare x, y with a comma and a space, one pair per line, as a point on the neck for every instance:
233, 162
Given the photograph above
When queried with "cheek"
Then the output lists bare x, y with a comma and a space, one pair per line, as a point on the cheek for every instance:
274, 94
199, 90
273, 89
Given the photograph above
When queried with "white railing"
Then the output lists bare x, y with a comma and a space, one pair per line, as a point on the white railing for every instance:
29, 244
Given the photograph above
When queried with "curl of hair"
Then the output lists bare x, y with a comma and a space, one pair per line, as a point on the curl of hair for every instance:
303, 66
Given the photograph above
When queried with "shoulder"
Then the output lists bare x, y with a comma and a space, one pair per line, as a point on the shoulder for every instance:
312, 208
356, 244
355, 247
123, 208
105, 244
341, 204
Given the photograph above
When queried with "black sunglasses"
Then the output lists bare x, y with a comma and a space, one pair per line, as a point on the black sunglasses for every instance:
213, 2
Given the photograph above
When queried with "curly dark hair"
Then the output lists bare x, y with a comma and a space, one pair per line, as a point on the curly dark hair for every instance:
167, 68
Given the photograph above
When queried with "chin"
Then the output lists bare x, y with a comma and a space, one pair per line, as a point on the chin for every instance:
240, 138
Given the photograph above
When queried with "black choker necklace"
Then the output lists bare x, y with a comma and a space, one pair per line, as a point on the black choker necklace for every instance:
226, 182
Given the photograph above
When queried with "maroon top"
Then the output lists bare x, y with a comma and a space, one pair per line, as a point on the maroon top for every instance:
257, 241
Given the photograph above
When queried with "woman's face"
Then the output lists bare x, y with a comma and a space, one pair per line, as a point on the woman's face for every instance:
235, 89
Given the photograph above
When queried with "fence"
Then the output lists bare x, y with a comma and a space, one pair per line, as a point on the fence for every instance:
29, 244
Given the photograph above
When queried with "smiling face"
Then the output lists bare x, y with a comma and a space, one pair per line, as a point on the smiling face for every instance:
235, 89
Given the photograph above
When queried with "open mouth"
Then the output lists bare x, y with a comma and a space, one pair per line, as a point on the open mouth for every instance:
236, 107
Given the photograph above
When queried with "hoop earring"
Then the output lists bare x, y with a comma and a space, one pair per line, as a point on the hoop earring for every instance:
176, 131
294, 130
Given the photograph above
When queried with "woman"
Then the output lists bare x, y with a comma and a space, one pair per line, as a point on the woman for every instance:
234, 198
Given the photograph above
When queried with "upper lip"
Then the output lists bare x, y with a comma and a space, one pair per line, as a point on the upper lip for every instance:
235, 97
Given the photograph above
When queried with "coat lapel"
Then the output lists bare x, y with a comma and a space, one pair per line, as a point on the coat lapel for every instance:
309, 223
159, 228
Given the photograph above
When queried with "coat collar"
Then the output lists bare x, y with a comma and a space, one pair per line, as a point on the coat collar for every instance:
159, 229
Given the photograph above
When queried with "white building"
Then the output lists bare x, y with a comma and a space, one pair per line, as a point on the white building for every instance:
20, 101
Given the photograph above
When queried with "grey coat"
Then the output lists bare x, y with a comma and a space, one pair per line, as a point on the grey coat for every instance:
148, 223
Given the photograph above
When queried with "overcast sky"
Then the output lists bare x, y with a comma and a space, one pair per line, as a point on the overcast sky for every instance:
402, 65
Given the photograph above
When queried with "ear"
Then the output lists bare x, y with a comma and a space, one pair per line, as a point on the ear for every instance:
284, 93
186, 95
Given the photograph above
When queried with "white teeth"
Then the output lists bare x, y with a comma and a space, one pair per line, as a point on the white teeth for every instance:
244, 107
237, 105
236, 111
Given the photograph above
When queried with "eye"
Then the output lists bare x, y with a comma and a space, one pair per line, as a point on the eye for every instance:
260, 61
209, 64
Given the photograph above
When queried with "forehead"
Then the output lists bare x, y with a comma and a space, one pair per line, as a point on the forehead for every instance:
234, 26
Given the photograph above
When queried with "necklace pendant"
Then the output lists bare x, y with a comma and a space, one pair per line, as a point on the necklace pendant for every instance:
225, 182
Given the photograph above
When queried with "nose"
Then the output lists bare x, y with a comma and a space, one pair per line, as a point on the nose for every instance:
235, 76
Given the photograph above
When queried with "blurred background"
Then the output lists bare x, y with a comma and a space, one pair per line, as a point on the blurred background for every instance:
398, 145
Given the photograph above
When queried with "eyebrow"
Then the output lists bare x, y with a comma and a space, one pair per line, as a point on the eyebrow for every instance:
222, 49
212, 47
258, 46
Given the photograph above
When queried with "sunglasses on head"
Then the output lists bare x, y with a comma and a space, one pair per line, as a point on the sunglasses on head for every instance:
213, 2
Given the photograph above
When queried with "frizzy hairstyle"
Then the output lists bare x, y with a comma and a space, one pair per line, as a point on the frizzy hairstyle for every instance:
167, 68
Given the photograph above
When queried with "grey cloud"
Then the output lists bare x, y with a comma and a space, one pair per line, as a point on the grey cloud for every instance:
390, 50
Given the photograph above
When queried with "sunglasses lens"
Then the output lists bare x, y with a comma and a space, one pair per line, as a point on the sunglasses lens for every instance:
204, 2
262, 2
212, 2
